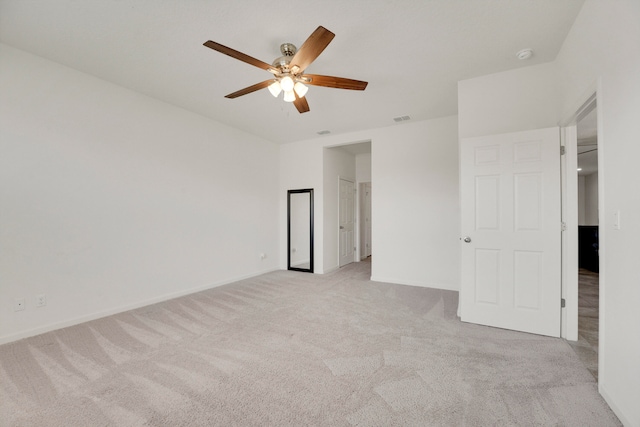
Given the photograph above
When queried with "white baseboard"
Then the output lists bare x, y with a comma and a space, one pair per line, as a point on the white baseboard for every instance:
615, 408
108, 312
415, 283
330, 270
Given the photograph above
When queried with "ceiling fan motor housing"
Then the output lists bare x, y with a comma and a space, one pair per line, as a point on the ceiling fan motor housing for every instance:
287, 50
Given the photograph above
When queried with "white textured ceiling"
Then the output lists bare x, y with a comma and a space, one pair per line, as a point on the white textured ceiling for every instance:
412, 52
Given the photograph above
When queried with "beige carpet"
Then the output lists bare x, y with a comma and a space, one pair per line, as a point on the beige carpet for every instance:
290, 348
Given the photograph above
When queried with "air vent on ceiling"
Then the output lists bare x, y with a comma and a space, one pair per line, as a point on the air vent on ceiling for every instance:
401, 119
324, 132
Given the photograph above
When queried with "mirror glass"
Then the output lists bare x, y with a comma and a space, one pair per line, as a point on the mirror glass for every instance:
300, 230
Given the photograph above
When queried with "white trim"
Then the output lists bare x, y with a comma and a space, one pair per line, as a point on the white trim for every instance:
109, 312
569, 330
330, 270
602, 247
569, 176
582, 107
616, 410
344, 143
415, 283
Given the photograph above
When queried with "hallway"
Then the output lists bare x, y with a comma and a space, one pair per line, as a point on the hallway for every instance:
588, 305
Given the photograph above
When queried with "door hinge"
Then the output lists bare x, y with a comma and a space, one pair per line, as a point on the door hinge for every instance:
563, 226
562, 150
562, 303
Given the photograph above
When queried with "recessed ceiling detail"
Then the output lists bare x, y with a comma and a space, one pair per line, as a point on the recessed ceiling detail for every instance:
401, 119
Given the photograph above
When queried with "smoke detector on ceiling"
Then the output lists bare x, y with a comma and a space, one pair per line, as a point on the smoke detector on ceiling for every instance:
525, 54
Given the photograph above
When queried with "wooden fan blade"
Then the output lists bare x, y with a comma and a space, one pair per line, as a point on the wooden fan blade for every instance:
336, 82
311, 48
240, 56
249, 89
301, 104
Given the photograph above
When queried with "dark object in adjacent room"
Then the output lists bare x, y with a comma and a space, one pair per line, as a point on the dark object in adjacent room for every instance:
588, 247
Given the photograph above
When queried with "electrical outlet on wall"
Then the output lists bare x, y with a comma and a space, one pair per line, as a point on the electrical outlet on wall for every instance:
18, 304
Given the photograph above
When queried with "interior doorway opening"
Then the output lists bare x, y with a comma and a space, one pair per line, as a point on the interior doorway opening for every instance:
588, 232
347, 162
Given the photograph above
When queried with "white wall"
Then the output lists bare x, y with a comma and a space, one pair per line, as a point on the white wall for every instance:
111, 200
415, 212
588, 199
591, 199
601, 52
415, 205
363, 167
511, 101
301, 166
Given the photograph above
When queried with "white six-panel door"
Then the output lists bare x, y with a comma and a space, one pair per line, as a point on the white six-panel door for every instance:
510, 200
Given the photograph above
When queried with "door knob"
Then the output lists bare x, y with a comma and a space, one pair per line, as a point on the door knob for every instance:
467, 239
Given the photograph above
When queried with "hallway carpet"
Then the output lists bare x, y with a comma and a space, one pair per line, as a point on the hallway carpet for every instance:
296, 349
588, 313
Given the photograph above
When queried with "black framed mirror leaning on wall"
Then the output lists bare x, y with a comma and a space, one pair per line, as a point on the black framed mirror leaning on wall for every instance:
300, 230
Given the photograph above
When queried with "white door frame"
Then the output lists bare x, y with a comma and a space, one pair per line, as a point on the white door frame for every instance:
570, 219
569, 191
570, 258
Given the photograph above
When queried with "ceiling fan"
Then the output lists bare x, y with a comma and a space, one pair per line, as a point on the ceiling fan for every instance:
288, 70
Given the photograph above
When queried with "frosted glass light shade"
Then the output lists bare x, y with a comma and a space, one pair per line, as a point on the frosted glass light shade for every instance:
275, 88
289, 96
300, 89
286, 83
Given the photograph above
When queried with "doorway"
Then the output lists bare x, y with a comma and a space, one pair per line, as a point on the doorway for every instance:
588, 232
348, 162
